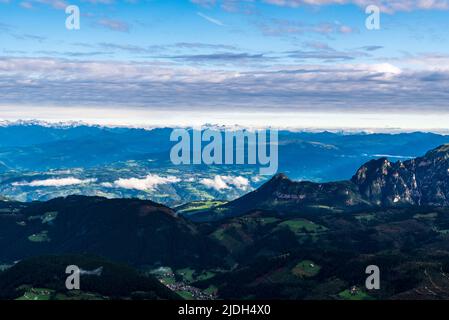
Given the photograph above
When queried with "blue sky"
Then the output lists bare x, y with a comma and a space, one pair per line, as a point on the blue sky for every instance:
212, 56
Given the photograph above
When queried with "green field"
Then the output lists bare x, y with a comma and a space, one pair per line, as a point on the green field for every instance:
37, 294
206, 275
268, 220
301, 226
49, 216
3, 267
432, 215
39, 237
164, 274
211, 289
198, 206
306, 268
189, 275
366, 217
186, 274
185, 295
78, 295
359, 295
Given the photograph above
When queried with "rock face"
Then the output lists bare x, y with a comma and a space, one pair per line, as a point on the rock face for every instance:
420, 181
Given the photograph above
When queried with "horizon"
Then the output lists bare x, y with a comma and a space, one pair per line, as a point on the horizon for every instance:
292, 121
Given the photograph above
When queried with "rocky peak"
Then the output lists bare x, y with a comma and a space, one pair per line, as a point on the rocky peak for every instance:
420, 181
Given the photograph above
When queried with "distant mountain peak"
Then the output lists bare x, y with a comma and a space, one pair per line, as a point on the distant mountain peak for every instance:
377, 183
280, 176
420, 181
441, 151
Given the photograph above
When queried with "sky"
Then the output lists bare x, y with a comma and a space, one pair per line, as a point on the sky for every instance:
294, 63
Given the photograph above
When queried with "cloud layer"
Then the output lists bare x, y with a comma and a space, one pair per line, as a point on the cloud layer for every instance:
414, 82
149, 183
389, 6
58, 182
221, 183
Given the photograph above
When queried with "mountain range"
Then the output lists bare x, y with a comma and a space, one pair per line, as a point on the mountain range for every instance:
380, 183
40, 161
285, 240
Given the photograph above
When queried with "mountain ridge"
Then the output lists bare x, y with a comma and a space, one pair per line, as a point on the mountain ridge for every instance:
422, 181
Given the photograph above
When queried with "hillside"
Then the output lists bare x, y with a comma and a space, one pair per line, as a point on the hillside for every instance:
285, 240
129, 230
380, 183
43, 278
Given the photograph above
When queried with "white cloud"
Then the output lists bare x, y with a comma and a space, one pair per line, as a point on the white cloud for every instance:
388, 6
217, 183
211, 20
57, 182
396, 84
239, 182
150, 182
220, 183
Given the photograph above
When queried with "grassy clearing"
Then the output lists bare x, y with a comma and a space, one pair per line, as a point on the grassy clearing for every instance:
358, 295
211, 289
206, 275
198, 206
432, 215
37, 294
4, 267
366, 217
268, 220
306, 268
40, 237
301, 226
49, 216
78, 295
164, 274
186, 274
186, 295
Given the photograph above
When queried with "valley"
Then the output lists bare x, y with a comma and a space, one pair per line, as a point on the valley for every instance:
223, 232
314, 243
39, 161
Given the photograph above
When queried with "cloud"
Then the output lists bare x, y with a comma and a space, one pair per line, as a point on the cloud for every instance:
371, 48
329, 55
221, 183
5, 27
285, 27
149, 183
211, 20
56, 4
345, 85
204, 3
199, 45
388, 6
138, 49
57, 182
29, 37
225, 56
26, 5
113, 24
